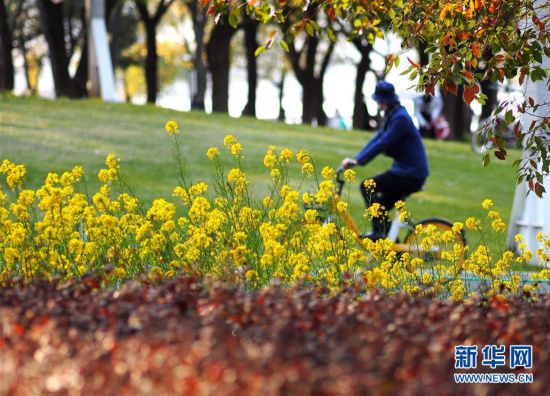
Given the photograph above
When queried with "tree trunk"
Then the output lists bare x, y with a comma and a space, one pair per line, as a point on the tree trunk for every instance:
281, 87
52, 25
360, 113
6, 47
151, 59
82, 72
199, 24
218, 52
250, 31
304, 64
457, 113
109, 7
311, 100
423, 56
151, 62
112, 16
322, 118
24, 55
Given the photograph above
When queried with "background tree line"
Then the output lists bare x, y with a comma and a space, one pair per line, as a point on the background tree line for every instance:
209, 50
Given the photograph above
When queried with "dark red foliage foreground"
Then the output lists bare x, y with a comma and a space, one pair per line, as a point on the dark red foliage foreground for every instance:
185, 337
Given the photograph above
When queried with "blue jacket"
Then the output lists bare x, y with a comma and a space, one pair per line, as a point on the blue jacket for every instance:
400, 140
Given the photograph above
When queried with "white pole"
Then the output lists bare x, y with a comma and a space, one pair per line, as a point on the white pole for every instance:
101, 76
530, 214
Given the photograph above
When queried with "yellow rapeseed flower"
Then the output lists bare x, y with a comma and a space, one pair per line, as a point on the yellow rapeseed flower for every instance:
327, 172
286, 155
370, 185
342, 206
307, 168
112, 161
14, 173
486, 204
498, 225
349, 175
493, 214
172, 128
212, 153
458, 227
268, 201
270, 159
303, 157
229, 140
236, 149
275, 173
399, 205
199, 188
376, 210
472, 223
311, 216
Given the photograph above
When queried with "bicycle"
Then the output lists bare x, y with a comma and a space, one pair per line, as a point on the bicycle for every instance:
412, 243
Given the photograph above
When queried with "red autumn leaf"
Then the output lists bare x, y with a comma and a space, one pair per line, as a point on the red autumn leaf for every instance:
539, 23
331, 14
531, 101
415, 65
539, 190
468, 74
451, 87
499, 58
517, 130
468, 95
522, 76
430, 89
464, 35
500, 154
476, 51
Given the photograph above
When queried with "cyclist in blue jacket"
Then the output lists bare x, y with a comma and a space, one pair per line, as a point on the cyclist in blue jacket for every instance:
400, 140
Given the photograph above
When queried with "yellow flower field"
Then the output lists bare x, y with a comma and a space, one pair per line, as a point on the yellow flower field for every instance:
217, 229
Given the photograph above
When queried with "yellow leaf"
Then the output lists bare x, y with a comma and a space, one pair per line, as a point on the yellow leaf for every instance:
444, 11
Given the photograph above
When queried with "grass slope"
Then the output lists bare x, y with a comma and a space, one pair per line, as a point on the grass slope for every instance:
56, 135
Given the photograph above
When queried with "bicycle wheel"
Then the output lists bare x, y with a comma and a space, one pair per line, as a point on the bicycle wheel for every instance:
415, 246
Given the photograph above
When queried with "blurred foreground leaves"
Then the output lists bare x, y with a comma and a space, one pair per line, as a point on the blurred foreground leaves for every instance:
191, 337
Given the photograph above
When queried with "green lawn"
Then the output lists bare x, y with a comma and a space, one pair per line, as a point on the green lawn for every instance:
56, 135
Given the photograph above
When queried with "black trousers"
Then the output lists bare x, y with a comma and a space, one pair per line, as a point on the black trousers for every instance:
390, 188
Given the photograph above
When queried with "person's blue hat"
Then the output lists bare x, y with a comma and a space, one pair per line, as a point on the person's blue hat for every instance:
385, 93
